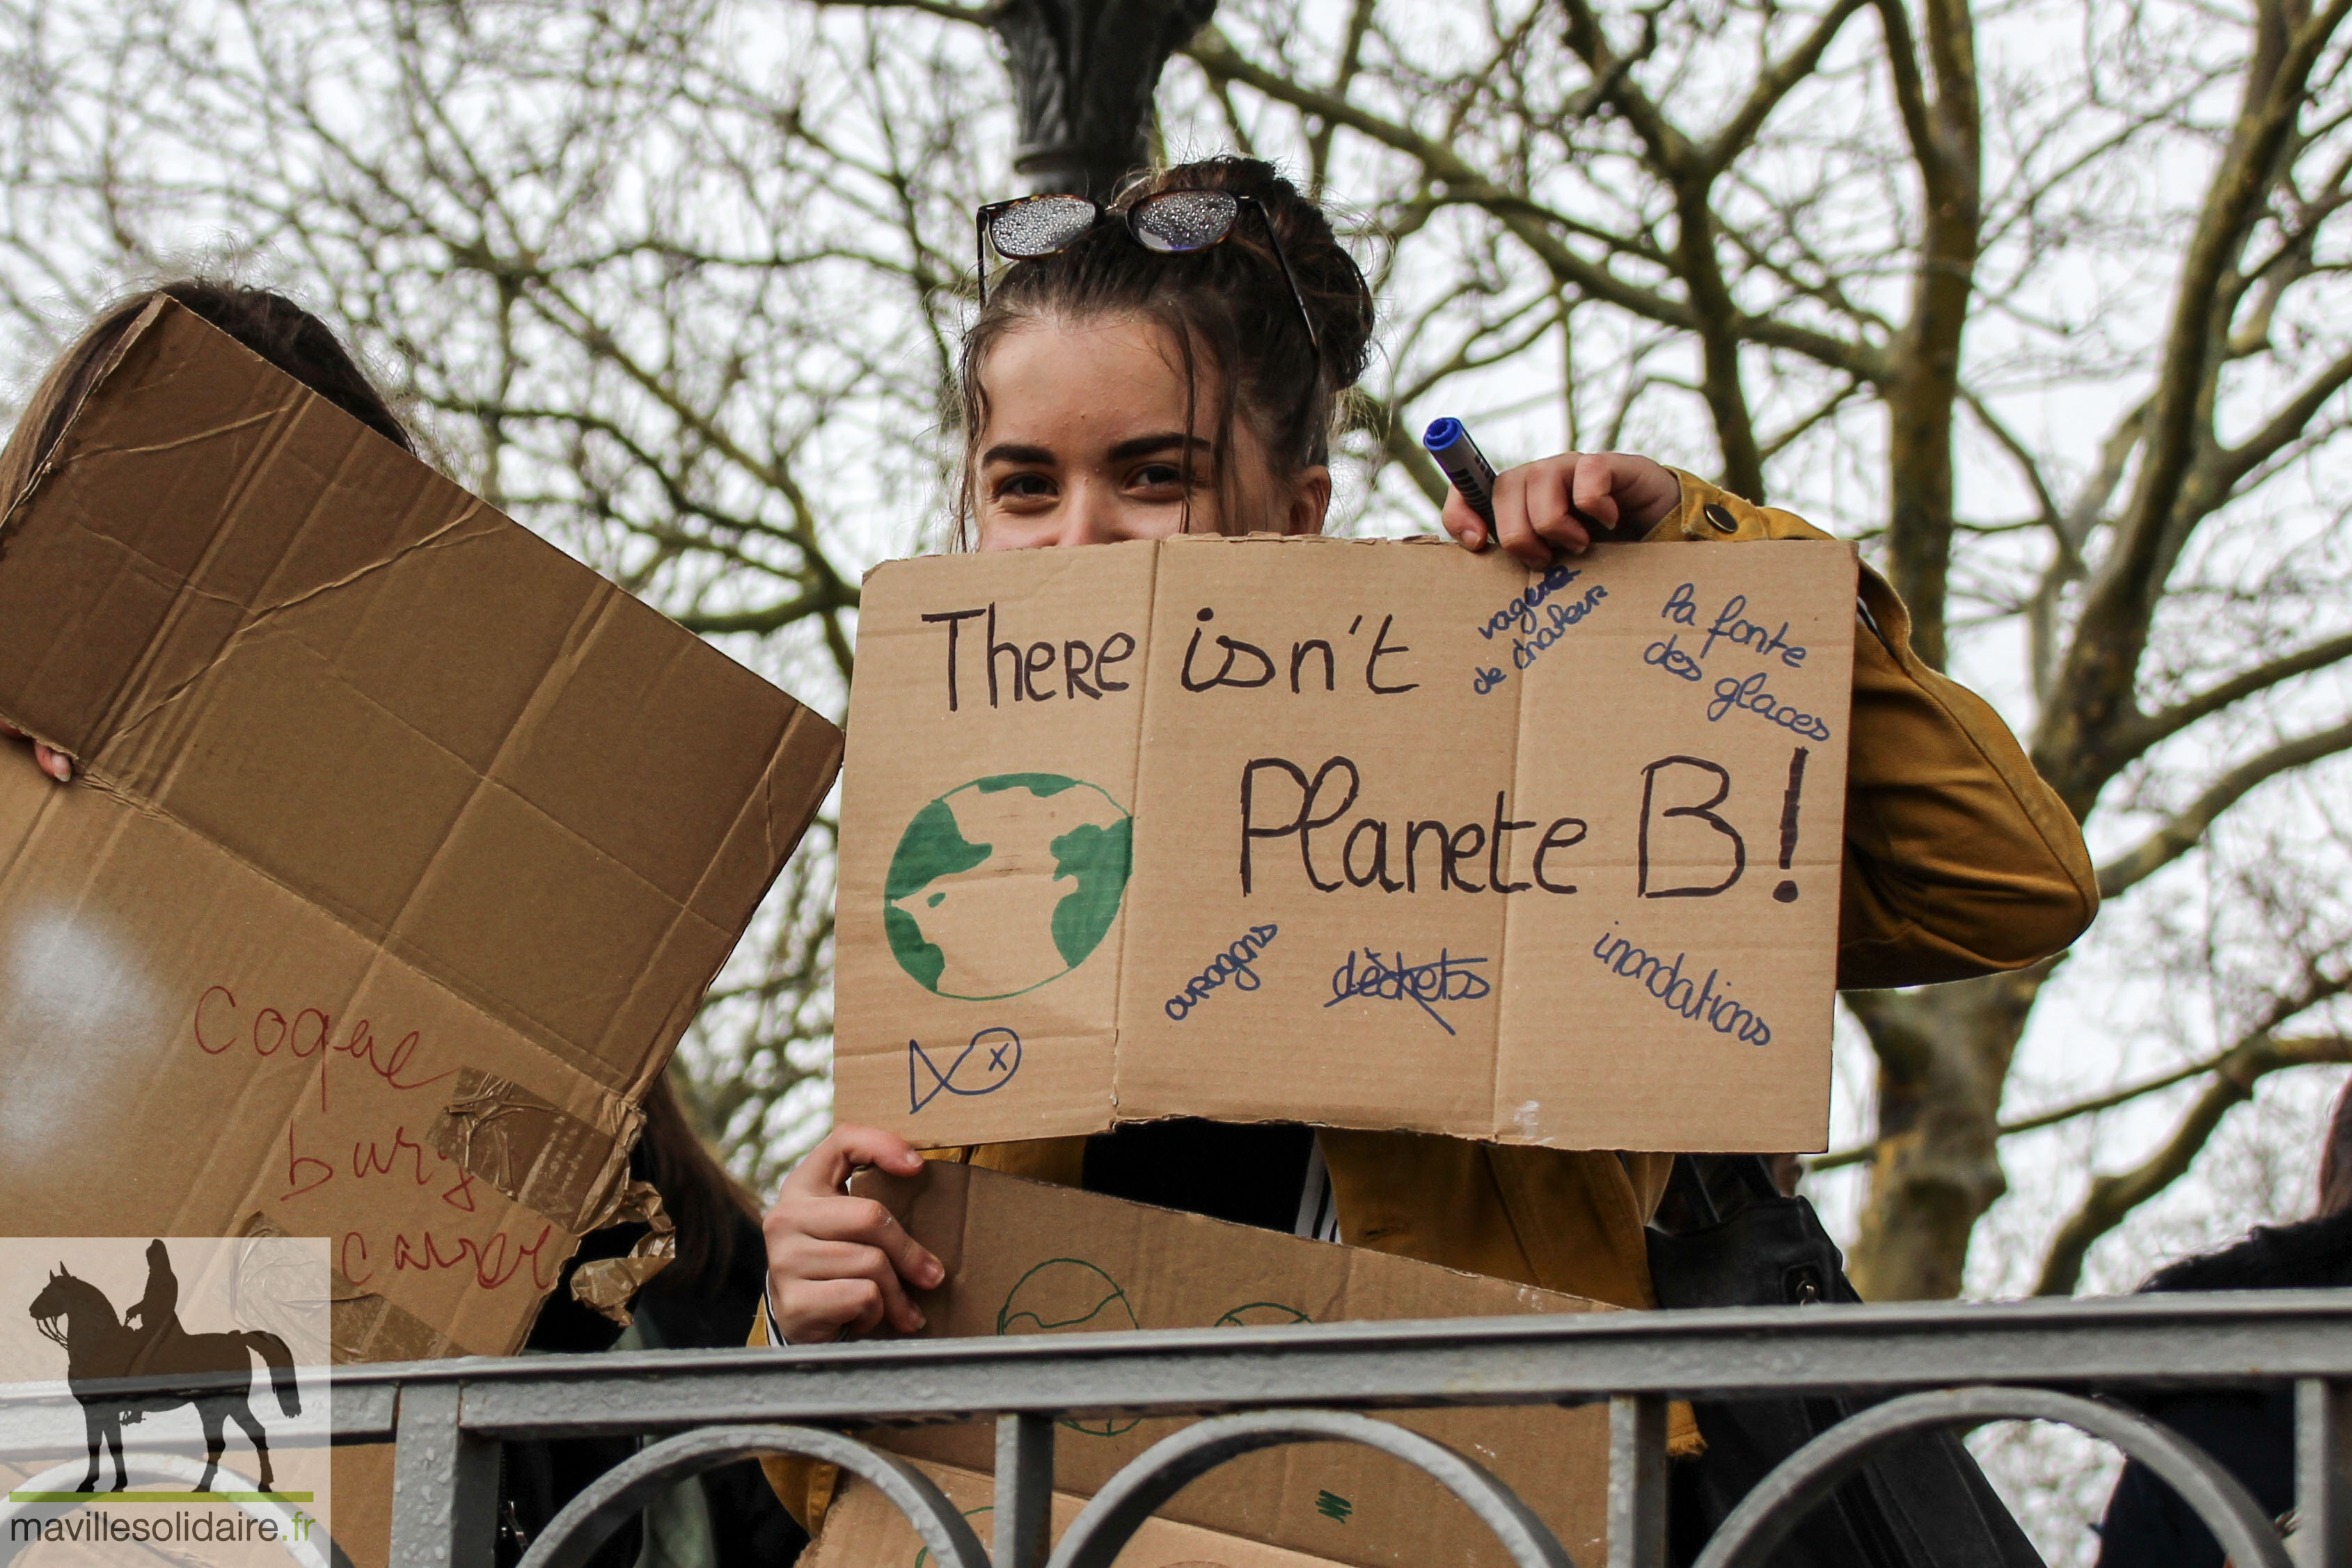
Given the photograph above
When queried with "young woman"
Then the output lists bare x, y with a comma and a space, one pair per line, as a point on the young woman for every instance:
1177, 366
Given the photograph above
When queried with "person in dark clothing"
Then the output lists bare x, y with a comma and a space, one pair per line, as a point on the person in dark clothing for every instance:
705, 1299
2250, 1432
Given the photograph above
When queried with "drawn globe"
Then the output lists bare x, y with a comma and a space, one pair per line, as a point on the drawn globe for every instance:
1070, 1295
1006, 883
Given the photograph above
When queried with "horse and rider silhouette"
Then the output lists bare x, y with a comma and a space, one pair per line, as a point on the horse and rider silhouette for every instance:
101, 1350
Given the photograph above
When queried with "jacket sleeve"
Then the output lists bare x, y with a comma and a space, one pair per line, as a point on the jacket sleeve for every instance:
1960, 860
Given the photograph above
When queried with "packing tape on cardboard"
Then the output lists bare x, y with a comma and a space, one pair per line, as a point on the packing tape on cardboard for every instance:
606, 1285
363, 1325
531, 1151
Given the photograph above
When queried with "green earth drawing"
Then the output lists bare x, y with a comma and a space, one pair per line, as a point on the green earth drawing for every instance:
1005, 884
1260, 1314
1070, 1295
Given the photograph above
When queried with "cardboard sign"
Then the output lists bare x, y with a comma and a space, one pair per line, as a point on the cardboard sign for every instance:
402, 850
862, 1530
1377, 835
1027, 1258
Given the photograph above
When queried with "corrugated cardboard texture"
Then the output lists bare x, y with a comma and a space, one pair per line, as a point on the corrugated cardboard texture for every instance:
403, 848
1420, 840
863, 1530
1025, 1258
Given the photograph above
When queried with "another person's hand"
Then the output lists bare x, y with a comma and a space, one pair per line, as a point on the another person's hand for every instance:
51, 761
1545, 507
838, 1264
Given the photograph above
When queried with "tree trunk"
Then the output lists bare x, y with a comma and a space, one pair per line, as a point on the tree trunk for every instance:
1944, 1054
1923, 394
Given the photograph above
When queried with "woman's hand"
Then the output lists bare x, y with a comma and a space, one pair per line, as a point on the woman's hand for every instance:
838, 1264
1559, 503
50, 760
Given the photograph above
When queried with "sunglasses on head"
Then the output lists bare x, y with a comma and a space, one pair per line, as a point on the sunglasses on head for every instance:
1173, 223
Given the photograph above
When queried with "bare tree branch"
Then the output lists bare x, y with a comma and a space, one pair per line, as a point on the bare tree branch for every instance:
2113, 1197
2135, 739
2187, 828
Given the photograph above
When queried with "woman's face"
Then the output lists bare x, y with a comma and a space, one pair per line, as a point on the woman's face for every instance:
1085, 442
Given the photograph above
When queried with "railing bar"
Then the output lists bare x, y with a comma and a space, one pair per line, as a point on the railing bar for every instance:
1159, 1374
2323, 1474
2174, 1320
444, 1484
1025, 1491
1637, 1482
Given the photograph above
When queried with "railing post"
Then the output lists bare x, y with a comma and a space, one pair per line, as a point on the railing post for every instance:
2323, 1488
1025, 1491
1637, 1481
444, 1484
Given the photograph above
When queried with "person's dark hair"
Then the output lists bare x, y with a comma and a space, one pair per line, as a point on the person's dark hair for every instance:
2335, 1157
265, 321
1226, 307
709, 1206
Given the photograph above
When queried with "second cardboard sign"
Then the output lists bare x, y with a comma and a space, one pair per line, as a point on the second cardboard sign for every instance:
1025, 1257
1367, 834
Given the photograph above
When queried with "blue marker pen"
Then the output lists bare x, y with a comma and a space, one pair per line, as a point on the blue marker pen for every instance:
1464, 464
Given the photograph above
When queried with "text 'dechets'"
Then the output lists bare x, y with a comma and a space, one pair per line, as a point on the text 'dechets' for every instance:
1366, 974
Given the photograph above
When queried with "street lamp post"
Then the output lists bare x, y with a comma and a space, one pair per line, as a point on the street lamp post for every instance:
1083, 74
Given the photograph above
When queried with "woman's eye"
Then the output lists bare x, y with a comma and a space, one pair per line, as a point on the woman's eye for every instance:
1159, 476
1023, 486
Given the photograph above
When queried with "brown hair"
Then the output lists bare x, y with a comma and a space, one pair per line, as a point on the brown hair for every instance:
2335, 1157
1227, 306
709, 1206
266, 322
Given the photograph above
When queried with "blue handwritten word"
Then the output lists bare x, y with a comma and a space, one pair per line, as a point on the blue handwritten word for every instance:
1731, 624
1751, 694
1668, 656
996, 1056
1545, 631
1233, 964
1520, 612
1692, 999
1445, 979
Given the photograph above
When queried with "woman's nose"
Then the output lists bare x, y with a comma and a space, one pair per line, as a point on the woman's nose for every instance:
1089, 514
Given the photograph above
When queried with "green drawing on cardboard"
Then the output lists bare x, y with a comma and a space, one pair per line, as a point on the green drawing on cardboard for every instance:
1070, 1295
1332, 1506
1005, 884
1261, 1315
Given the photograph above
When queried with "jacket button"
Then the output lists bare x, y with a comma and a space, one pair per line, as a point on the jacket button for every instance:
1718, 517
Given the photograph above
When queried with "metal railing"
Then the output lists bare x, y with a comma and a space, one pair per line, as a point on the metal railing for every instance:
1929, 1366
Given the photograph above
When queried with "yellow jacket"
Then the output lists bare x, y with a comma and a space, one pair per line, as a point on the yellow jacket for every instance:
1959, 861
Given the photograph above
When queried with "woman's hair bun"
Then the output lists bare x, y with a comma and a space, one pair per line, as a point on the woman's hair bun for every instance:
1339, 300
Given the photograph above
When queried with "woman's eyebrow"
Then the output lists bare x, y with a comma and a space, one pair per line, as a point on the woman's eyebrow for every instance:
1145, 446
1003, 452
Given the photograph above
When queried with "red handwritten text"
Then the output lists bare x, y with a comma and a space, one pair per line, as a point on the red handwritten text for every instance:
372, 1158
221, 1026
298, 1169
494, 1261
